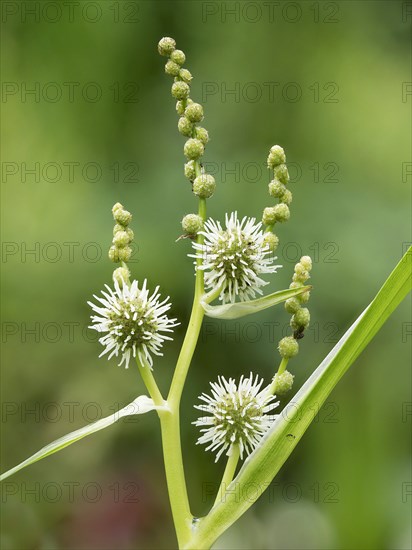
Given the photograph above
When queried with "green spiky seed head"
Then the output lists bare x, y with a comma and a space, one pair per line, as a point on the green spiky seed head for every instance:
178, 57
121, 216
121, 239
172, 68
190, 170
166, 46
194, 112
284, 382
193, 149
281, 173
276, 156
288, 347
114, 254
184, 126
125, 253
276, 189
286, 197
281, 212
185, 75
292, 305
204, 186
202, 134
269, 216
304, 297
118, 228
300, 319
117, 206
121, 275
306, 261
192, 224
271, 240
300, 275
180, 90
180, 107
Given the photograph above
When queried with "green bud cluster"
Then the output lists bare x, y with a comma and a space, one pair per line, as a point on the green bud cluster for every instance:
271, 240
121, 275
192, 224
280, 212
191, 114
204, 186
289, 345
300, 315
120, 250
283, 382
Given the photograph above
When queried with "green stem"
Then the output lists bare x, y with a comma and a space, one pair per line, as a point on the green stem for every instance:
212, 295
150, 382
283, 365
175, 476
170, 423
193, 330
228, 474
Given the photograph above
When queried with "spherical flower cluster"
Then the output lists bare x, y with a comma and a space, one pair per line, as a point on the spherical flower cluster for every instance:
276, 156
166, 46
190, 114
300, 320
288, 347
204, 186
121, 275
278, 213
133, 322
271, 240
202, 134
192, 224
120, 250
283, 382
194, 149
236, 414
234, 257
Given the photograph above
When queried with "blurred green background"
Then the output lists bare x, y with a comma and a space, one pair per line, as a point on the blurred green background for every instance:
324, 80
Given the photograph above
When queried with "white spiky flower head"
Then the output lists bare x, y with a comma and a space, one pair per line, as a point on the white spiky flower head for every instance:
133, 321
236, 415
234, 257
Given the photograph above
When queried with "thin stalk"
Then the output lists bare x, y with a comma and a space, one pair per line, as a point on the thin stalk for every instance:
150, 382
170, 423
212, 295
228, 474
193, 330
175, 476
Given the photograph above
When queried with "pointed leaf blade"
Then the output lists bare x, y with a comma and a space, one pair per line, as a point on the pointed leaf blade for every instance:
241, 309
274, 449
140, 405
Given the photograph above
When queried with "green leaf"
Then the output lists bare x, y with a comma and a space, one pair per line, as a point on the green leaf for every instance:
240, 309
140, 405
264, 463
